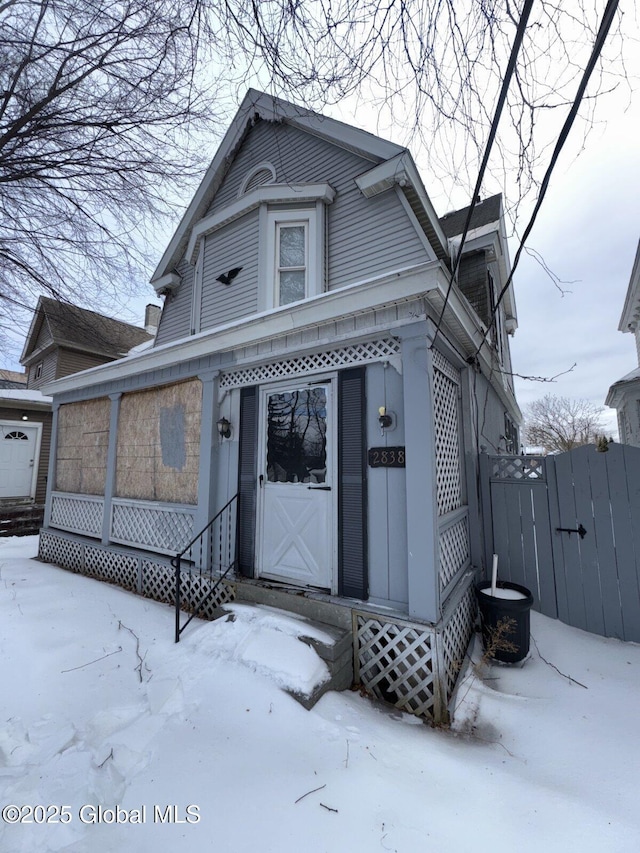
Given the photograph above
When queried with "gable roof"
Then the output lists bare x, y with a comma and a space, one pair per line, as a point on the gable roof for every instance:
258, 105
80, 329
484, 212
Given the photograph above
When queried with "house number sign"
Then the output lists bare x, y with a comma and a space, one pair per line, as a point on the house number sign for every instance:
386, 457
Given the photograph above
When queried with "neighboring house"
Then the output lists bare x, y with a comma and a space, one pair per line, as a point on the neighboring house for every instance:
624, 395
65, 339
25, 427
296, 373
62, 339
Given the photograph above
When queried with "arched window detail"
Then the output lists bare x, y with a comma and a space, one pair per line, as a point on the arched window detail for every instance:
17, 435
262, 174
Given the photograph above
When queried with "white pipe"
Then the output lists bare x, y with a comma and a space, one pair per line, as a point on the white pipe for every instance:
494, 575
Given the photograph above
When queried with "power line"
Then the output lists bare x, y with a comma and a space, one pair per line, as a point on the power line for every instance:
522, 25
603, 31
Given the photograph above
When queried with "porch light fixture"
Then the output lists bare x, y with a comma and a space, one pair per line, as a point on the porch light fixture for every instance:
224, 428
384, 418
24, 416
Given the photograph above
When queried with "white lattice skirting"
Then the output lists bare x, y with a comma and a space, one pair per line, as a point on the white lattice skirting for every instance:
411, 665
151, 578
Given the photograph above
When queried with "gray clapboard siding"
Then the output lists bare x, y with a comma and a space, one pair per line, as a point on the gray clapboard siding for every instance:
176, 314
367, 237
49, 370
71, 361
295, 155
236, 245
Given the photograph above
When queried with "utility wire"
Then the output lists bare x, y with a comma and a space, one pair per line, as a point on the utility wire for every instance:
522, 25
605, 25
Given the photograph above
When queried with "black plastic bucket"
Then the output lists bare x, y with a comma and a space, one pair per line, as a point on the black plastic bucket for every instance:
505, 621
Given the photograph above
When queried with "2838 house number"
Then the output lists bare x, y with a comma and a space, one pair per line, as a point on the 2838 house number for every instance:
387, 457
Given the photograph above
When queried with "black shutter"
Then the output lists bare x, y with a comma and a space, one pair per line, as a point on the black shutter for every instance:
352, 485
247, 476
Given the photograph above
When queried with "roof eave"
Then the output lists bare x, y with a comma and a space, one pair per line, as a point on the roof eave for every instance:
628, 321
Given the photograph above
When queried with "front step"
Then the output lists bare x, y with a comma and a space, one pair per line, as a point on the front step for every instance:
338, 657
337, 652
294, 600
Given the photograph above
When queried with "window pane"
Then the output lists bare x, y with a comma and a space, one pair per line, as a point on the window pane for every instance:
292, 249
292, 286
296, 436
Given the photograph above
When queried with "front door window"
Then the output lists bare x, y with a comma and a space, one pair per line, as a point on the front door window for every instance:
297, 436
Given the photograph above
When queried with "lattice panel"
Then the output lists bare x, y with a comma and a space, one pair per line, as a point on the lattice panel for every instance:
154, 528
121, 569
77, 514
195, 587
158, 581
455, 639
454, 550
61, 552
447, 435
330, 359
397, 663
444, 366
518, 468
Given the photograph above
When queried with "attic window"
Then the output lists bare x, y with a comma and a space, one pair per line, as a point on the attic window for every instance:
38, 370
257, 177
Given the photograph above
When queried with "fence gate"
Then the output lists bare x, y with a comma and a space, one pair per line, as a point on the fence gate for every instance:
568, 528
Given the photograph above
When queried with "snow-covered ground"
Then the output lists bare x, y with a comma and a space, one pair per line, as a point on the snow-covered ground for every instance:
99, 709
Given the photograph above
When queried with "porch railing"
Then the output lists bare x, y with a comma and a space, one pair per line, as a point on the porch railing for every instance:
211, 555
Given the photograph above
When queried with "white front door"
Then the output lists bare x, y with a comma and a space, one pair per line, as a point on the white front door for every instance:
19, 451
296, 481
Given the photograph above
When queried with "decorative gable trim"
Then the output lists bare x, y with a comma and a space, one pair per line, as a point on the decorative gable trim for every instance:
267, 194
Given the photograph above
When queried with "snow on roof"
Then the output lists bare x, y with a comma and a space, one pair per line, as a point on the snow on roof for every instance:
29, 395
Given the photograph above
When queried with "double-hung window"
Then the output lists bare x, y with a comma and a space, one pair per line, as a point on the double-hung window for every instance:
294, 248
292, 261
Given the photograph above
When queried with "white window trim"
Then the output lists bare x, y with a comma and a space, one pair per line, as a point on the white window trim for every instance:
270, 220
196, 295
267, 194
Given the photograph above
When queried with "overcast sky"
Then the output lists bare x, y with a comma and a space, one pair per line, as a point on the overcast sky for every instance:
587, 232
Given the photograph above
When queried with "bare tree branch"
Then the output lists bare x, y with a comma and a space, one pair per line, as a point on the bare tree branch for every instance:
559, 423
104, 105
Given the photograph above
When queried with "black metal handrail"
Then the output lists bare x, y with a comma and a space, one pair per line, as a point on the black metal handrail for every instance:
212, 552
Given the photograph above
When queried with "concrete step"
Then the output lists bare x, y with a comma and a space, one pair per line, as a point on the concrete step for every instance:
338, 658
295, 600
337, 652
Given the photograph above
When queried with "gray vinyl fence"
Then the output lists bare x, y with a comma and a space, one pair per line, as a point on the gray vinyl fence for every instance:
568, 528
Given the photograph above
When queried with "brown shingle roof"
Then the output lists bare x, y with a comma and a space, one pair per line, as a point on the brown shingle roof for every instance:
89, 331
